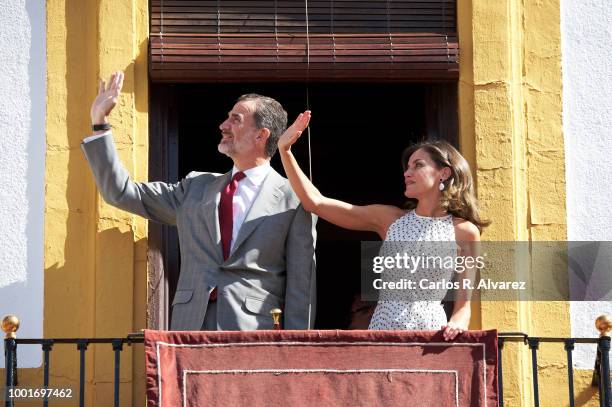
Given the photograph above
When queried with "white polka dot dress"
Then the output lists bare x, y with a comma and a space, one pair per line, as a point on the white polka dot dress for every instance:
416, 309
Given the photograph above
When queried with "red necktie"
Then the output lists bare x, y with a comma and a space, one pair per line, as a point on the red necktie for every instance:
226, 213
226, 219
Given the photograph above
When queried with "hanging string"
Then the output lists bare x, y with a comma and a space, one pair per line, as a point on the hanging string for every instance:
161, 31
389, 31
333, 31
276, 33
445, 32
219, 31
308, 89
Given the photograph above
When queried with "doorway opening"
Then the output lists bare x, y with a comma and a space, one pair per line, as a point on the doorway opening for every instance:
358, 132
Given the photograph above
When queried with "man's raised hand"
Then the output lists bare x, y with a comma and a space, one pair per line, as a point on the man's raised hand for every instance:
294, 131
106, 100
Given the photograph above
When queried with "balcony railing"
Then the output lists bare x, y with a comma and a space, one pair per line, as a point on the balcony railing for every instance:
601, 374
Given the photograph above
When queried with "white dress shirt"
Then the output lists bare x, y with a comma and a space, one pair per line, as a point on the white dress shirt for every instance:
247, 191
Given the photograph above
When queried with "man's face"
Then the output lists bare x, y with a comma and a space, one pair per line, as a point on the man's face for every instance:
239, 134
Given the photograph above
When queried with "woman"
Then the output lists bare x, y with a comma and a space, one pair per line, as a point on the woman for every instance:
441, 207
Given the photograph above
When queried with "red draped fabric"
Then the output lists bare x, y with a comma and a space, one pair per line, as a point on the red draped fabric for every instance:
320, 368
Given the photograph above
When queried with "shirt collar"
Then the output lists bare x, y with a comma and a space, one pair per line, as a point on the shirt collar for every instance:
255, 175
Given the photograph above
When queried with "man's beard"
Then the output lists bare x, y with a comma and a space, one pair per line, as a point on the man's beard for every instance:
226, 147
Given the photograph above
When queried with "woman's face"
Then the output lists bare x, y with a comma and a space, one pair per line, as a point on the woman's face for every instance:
422, 177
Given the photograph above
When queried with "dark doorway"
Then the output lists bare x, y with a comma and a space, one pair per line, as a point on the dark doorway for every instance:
358, 132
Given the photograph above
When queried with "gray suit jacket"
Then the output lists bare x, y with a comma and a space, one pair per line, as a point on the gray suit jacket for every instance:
272, 261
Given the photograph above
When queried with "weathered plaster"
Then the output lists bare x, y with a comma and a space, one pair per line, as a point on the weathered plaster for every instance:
587, 127
22, 168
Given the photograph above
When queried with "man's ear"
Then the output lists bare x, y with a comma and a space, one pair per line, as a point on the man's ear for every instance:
262, 135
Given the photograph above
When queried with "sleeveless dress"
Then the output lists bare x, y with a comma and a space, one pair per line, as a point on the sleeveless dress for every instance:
415, 309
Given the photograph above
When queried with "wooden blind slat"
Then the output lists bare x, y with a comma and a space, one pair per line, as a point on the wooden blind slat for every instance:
266, 40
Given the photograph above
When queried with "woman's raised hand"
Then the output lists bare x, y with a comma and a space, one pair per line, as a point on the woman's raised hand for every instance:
293, 132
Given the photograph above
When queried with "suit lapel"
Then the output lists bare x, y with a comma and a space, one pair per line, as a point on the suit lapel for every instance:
210, 207
265, 204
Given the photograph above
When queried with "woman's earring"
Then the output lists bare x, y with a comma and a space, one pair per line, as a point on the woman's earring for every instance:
441, 186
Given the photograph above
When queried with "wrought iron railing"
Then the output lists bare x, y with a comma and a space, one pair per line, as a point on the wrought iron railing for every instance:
10, 326
601, 374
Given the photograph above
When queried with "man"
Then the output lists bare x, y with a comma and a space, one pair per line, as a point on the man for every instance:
247, 245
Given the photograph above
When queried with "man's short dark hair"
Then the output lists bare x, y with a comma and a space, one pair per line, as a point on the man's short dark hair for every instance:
268, 114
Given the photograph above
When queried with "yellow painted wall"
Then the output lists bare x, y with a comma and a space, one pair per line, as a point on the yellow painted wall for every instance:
510, 102
95, 255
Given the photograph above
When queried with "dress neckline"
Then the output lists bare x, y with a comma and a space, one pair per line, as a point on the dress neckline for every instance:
431, 217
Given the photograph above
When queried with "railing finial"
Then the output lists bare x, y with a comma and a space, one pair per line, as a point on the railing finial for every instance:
276, 313
10, 325
603, 323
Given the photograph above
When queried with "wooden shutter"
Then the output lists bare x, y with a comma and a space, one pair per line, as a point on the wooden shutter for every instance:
225, 40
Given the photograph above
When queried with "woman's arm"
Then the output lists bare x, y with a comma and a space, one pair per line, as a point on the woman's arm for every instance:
376, 218
468, 238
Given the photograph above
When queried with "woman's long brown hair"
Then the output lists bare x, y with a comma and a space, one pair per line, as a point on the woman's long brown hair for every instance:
458, 196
